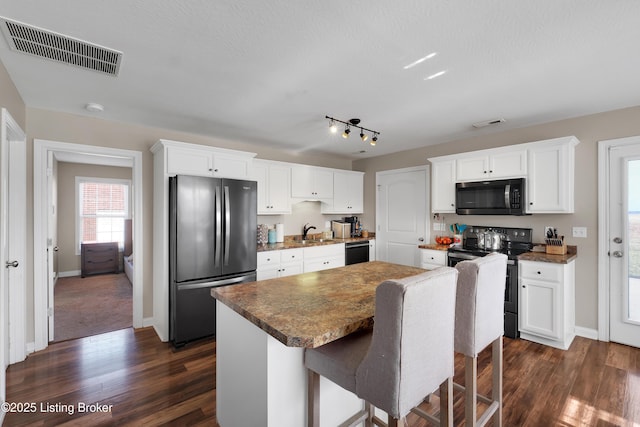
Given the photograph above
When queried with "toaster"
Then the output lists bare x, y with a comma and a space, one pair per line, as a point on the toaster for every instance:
341, 230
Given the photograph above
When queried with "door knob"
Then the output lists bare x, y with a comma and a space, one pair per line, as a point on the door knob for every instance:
421, 239
55, 249
617, 240
617, 254
11, 264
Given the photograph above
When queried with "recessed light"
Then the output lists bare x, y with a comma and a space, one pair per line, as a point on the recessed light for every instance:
438, 74
421, 60
94, 107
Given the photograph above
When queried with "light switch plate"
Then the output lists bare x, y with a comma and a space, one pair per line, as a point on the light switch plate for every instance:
580, 232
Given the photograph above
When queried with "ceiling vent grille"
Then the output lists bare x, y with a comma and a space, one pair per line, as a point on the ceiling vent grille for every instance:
57, 47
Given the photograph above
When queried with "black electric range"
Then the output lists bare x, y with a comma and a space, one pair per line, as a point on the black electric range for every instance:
515, 241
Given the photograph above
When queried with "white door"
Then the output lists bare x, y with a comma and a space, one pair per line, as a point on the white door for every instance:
624, 244
401, 215
12, 246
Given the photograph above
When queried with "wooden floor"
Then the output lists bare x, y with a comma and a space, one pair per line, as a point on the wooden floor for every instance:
149, 383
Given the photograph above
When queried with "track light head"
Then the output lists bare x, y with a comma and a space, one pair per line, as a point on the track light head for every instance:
332, 126
374, 139
346, 132
363, 137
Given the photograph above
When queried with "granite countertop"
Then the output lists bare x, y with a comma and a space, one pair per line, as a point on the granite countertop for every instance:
296, 243
572, 253
312, 309
434, 246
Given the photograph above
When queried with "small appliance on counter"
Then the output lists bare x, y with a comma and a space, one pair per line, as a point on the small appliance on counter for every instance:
341, 230
355, 225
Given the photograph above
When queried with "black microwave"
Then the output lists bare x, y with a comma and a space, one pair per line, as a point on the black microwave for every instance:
499, 197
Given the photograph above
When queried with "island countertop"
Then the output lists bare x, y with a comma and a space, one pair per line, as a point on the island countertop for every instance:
312, 309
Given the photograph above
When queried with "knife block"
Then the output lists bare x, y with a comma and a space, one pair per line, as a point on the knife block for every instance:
556, 250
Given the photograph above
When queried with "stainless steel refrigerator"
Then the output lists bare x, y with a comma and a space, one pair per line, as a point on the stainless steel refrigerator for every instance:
212, 242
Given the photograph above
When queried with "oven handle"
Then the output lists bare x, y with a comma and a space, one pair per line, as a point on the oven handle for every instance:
356, 245
466, 257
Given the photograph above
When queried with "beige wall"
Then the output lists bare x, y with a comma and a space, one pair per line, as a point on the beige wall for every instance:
11, 99
67, 172
589, 130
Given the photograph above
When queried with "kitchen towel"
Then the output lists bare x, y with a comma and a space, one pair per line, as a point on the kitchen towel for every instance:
279, 233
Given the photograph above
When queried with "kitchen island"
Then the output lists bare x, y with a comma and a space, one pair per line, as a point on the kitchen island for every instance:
263, 328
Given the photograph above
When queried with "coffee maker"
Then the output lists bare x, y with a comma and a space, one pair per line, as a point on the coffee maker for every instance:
355, 225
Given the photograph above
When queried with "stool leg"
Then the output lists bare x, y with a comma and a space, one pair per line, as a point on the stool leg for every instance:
313, 399
470, 390
496, 392
446, 403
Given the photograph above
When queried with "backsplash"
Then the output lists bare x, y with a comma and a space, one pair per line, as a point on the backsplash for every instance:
301, 214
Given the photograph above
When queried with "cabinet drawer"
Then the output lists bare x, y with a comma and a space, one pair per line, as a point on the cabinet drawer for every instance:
428, 256
544, 271
268, 258
324, 251
98, 258
291, 255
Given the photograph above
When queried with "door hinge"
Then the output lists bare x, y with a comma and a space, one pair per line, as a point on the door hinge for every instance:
50, 311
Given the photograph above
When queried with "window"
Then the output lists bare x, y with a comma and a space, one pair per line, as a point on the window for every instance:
102, 206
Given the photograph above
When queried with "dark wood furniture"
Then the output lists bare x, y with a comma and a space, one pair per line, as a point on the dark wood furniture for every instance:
99, 258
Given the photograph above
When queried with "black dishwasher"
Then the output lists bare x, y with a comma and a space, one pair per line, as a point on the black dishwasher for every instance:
356, 252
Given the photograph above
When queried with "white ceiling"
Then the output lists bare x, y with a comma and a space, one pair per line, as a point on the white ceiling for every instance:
267, 72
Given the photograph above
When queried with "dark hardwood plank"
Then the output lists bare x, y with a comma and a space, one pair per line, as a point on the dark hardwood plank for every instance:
150, 383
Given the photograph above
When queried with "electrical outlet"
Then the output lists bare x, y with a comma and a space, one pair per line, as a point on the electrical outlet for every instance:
580, 232
436, 226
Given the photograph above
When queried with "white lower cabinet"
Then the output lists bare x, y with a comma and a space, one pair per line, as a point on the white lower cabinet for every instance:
432, 258
286, 262
547, 302
372, 250
318, 258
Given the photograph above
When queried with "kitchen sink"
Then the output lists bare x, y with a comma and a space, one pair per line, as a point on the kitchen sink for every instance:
313, 241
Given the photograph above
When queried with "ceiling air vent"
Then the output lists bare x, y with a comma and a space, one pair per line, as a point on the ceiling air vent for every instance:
47, 44
493, 122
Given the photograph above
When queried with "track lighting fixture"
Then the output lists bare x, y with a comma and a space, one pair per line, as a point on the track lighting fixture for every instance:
347, 129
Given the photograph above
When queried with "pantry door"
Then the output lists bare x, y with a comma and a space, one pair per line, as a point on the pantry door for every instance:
401, 214
623, 241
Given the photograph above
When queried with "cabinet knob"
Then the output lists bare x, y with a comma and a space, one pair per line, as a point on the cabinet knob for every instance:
530, 203
523, 286
451, 204
215, 170
490, 171
210, 169
484, 171
539, 272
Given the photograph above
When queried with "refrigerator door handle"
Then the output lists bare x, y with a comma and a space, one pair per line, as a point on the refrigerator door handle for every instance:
227, 225
212, 284
218, 215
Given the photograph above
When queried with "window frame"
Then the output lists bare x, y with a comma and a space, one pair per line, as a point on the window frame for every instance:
78, 218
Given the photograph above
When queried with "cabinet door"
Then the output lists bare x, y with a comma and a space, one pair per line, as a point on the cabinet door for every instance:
433, 257
323, 183
279, 182
188, 161
372, 250
550, 181
291, 268
259, 173
509, 164
540, 311
472, 168
301, 181
347, 194
443, 186
230, 166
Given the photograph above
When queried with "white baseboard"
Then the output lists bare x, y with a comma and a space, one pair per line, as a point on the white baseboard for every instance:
147, 321
587, 333
69, 273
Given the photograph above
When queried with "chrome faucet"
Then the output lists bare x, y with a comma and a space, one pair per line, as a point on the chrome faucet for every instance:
305, 230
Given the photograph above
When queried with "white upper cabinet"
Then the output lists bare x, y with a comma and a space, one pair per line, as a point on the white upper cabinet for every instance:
548, 167
311, 183
550, 183
274, 181
348, 190
191, 159
499, 164
443, 186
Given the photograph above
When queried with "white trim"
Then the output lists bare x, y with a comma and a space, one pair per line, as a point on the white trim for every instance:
70, 273
31, 347
40, 152
147, 321
592, 334
603, 230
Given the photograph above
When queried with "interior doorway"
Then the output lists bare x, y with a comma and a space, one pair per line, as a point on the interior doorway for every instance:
402, 204
44, 153
619, 287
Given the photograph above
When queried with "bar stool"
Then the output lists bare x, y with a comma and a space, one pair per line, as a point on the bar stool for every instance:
408, 354
480, 322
